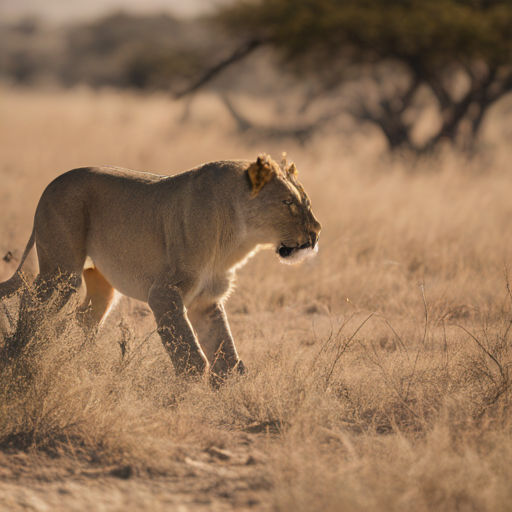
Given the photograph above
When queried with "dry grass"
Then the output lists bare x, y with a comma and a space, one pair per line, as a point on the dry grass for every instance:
379, 372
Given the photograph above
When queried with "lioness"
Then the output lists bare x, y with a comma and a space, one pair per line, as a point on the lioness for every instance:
173, 242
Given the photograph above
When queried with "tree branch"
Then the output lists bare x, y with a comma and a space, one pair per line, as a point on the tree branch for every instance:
243, 123
300, 133
418, 69
504, 87
239, 54
409, 94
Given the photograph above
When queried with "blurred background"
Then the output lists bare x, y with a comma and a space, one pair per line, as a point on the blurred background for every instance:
380, 371
60, 11
413, 74
398, 114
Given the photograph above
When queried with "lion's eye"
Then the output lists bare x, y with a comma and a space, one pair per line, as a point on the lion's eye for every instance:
288, 201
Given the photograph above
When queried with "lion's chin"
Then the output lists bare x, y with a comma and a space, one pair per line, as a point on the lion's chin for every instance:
293, 255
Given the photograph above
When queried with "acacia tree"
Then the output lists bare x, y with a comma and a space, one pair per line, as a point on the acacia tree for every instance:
432, 41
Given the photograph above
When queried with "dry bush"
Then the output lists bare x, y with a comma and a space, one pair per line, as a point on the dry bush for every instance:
364, 390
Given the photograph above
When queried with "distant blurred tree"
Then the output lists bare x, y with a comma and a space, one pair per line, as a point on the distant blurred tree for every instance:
145, 52
437, 44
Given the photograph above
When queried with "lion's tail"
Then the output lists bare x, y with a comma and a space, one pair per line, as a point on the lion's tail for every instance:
12, 285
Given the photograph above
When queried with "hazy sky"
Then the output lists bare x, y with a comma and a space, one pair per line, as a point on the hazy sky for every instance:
59, 11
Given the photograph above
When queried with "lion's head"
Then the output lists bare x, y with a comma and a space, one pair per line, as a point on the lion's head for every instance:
284, 209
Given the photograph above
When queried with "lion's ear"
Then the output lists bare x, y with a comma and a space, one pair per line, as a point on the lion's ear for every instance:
288, 169
260, 173
291, 170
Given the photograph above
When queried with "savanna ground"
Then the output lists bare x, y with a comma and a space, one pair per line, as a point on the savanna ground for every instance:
379, 372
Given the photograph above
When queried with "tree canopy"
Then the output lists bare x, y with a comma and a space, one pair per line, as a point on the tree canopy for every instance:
326, 38
435, 30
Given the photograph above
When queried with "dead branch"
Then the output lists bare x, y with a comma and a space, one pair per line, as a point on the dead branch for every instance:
242, 122
301, 133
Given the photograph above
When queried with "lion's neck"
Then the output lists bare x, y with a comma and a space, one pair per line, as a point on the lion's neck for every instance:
243, 257
244, 242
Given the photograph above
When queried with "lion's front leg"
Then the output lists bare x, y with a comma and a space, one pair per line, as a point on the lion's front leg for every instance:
215, 337
175, 330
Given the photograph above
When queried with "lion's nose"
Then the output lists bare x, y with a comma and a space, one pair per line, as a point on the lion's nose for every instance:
313, 236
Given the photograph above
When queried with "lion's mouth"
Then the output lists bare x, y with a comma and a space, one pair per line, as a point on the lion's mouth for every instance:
285, 251
296, 253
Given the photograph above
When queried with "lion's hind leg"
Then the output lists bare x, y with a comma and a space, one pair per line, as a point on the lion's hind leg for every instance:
100, 294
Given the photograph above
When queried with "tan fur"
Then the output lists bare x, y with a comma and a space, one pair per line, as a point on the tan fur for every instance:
100, 294
173, 242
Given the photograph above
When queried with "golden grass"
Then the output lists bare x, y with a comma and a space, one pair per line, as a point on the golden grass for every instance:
378, 372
